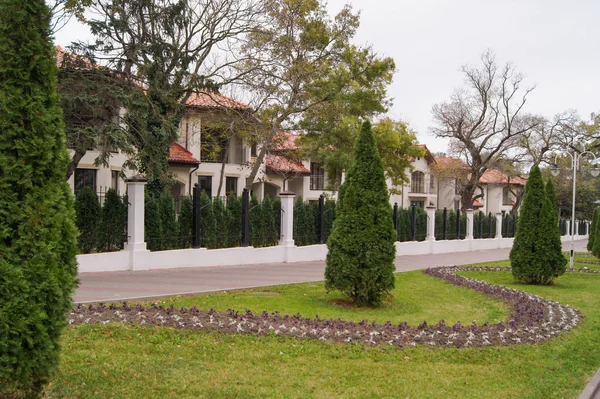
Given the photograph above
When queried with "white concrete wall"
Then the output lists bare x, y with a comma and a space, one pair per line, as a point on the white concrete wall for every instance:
184, 258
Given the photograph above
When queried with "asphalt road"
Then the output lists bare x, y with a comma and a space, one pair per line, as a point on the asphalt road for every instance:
118, 286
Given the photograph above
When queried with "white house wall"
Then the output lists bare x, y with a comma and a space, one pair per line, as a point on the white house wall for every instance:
103, 174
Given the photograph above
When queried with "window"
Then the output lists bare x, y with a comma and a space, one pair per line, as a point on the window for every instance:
205, 183
506, 196
317, 176
231, 185
253, 151
114, 179
417, 182
85, 178
431, 184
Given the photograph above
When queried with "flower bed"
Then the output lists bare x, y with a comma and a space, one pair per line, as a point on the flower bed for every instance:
533, 319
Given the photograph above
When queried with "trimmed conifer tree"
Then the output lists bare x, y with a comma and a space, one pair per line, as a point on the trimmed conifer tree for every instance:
555, 260
185, 222
360, 261
112, 228
87, 211
169, 227
536, 256
220, 215
596, 244
38, 235
208, 229
152, 224
234, 221
592, 235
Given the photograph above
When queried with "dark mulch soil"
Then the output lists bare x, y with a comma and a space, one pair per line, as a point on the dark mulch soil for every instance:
533, 319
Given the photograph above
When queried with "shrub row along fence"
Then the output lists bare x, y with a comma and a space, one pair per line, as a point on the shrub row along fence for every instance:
102, 220
244, 221
218, 223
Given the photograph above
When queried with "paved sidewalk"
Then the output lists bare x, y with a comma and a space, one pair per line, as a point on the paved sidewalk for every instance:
113, 286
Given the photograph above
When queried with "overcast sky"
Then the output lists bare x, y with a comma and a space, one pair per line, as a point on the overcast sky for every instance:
554, 43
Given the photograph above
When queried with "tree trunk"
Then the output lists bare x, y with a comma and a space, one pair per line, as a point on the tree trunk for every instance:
74, 162
261, 155
225, 158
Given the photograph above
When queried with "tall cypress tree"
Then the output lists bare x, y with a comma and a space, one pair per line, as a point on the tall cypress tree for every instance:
596, 243
536, 256
38, 236
87, 210
360, 261
555, 260
592, 236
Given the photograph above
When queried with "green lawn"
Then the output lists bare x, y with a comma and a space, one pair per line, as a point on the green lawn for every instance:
150, 362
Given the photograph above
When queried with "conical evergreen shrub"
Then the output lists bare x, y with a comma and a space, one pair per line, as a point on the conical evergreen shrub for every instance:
38, 236
536, 256
152, 225
234, 221
220, 215
185, 222
360, 261
596, 244
168, 221
111, 231
208, 229
87, 211
555, 260
592, 236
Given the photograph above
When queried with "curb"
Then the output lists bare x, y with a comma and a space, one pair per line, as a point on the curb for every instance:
592, 390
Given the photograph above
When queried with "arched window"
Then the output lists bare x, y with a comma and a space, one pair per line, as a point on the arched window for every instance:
417, 182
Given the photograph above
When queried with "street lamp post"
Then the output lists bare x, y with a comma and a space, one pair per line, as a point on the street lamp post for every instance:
575, 163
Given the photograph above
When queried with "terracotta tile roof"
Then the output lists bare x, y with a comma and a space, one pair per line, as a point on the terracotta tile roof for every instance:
477, 204
428, 155
278, 163
285, 141
80, 63
178, 154
209, 99
447, 162
496, 177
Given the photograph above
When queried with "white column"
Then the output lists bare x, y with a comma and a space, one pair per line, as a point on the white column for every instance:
576, 230
287, 218
469, 235
136, 244
430, 223
499, 225
568, 224
135, 214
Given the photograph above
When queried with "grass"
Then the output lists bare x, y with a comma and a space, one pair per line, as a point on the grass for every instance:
141, 362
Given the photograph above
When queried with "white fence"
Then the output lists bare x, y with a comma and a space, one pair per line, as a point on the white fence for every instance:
135, 256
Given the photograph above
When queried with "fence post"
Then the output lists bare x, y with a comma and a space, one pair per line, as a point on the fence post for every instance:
458, 224
135, 221
499, 225
245, 217
430, 223
396, 218
321, 219
469, 235
196, 216
490, 227
413, 226
287, 218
